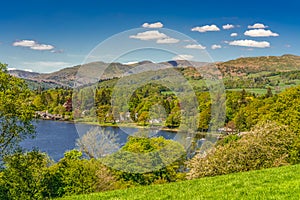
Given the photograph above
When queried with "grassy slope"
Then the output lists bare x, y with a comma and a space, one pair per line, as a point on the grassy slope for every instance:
276, 183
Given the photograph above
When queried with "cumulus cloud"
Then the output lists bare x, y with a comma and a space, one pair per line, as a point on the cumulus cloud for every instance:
195, 46
216, 46
42, 47
260, 33
33, 45
160, 38
228, 26
183, 57
233, 34
250, 43
24, 43
206, 28
149, 35
153, 25
167, 40
258, 25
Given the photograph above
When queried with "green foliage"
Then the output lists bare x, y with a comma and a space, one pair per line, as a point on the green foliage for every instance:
78, 176
268, 145
31, 176
143, 161
228, 139
282, 108
51, 100
24, 175
16, 112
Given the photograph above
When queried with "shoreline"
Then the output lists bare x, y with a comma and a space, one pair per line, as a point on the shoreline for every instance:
128, 125
124, 125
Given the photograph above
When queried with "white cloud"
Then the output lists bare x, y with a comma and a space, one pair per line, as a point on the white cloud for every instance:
233, 34
24, 43
228, 26
28, 70
153, 25
206, 28
250, 43
130, 63
33, 45
215, 46
257, 25
167, 40
11, 68
149, 35
183, 57
42, 47
160, 38
260, 33
195, 46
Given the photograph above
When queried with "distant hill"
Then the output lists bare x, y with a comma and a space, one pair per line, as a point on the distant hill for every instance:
244, 66
23, 74
90, 72
95, 71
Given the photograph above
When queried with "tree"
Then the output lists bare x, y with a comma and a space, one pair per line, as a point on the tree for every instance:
96, 143
143, 160
16, 112
79, 176
143, 118
269, 93
23, 175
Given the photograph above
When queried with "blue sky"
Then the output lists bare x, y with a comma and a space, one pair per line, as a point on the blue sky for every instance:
45, 36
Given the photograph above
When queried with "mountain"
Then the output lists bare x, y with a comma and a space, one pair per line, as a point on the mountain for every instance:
95, 71
23, 74
92, 72
244, 66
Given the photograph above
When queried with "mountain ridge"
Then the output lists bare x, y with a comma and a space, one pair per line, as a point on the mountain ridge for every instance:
238, 67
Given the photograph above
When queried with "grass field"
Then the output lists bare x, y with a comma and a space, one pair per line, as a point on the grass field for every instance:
276, 183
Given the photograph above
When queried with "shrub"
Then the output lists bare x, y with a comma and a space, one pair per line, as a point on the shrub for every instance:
267, 145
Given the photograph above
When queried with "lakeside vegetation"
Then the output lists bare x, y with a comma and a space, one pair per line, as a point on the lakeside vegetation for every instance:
264, 133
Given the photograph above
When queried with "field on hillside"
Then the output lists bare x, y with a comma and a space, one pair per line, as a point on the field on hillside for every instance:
276, 183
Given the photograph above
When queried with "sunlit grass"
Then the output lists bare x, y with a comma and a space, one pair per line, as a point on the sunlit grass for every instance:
276, 183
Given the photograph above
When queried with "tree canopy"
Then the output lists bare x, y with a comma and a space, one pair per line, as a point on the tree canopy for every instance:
16, 112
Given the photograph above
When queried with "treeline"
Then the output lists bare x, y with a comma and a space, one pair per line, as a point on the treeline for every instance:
53, 101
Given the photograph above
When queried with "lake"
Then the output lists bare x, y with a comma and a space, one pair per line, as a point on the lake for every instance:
57, 137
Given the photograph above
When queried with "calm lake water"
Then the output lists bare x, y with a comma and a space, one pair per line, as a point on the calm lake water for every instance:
56, 137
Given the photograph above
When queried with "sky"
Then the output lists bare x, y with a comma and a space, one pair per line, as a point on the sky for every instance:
48, 35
